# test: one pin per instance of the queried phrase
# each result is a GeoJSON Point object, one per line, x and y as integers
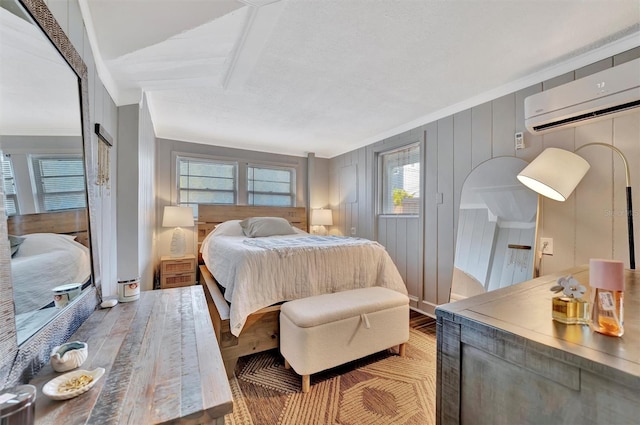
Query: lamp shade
{"type": "Point", "coordinates": [321, 217]}
{"type": "Point", "coordinates": [177, 216]}
{"type": "Point", "coordinates": [555, 173]}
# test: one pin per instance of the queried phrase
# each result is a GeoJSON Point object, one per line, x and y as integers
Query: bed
{"type": "Point", "coordinates": [282, 268]}
{"type": "Point", "coordinates": [47, 253]}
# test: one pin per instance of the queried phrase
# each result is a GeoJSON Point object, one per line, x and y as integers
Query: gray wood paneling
{"type": "Point", "coordinates": [455, 145]}
{"type": "Point", "coordinates": [446, 248]}
{"type": "Point", "coordinates": [462, 155]}
{"type": "Point", "coordinates": [481, 134]}
{"type": "Point", "coordinates": [503, 124]}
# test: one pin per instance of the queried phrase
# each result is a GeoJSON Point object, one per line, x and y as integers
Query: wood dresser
{"type": "Point", "coordinates": [162, 362]}
{"type": "Point", "coordinates": [503, 360]}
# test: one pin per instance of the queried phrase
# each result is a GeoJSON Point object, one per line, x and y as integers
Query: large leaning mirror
{"type": "Point", "coordinates": [42, 155]}
{"type": "Point", "coordinates": [495, 244]}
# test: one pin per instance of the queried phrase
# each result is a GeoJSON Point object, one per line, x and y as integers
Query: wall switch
{"type": "Point", "coordinates": [546, 246]}
{"type": "Point", "coordinates": [519, 139]}
{"type": "Point", "coordinates": [353, 231]}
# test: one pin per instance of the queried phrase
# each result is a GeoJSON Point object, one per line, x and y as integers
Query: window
{"type": "Point", "coordinates": [203, 181]}
{"type": "Point", "coordinates": [270, 186]}
{"type": "Point", "coordinates": [10, 193]}
{"type": "Point", "coordinates": [59, 182]}
{"type": "Point", "coordinates": [400, 175]}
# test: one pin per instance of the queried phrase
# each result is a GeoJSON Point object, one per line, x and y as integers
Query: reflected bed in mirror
{"type": "Point", "coordinates": [495, 245]}
{"type": "Point", "coordinates": [43, 168]}
{"type": "Point", "coordinates": [50, 265]}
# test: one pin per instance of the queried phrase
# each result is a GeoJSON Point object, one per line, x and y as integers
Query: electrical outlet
{"type": "Point", "coordinates": [353, 231]}
{"type": "Point", "coordinates": [546, 246]}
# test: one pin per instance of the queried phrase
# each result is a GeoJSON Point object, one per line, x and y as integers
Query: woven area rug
{"type": "Point", "coordinates": [380, 389]}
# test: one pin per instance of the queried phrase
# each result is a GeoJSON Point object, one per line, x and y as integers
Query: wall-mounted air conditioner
{"type": "Point", "coordinates": [598, 96]}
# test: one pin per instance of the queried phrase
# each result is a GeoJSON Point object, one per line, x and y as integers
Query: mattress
{"type": "Point", "coordinates": [259, 272]}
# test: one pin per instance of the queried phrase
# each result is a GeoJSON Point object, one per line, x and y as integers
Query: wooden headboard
{"type": "Point", "coordinates": [209, 216]}
{"type": "Point", "coordinates": [71, 222]}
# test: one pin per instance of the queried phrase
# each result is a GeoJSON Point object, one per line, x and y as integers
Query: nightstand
{"type": "Point", "coordinates": [177, 272]}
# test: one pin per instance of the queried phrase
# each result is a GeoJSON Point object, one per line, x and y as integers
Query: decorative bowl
{"type": "Point", "coordinates": [69, 356]}
{"type": "Point", "coordinates": [72, 384]}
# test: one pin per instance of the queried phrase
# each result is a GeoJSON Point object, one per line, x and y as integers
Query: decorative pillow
{"type": "Point", "coordinates": [15, 242]}
{"type": "Point", "coordinates": [256, 227]}
{"type": "Point", "coordinates": [228, 228]}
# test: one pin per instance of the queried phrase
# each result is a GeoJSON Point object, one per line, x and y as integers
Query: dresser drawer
{"type": "Point", "coordinates": [179, 266]}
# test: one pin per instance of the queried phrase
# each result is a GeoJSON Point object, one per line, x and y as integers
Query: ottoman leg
{"type": "Point", "coordinates": [286, 364]}
{"type": "Point", "coordinates": [401, 349]}
{"type": "Point", "coordinates": [306, 383]}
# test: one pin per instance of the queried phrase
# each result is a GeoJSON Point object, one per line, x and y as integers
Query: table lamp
{"type": "Point", "coordinates": [177, 217]}
{"type": "Point", "coordinates": [322, 217]}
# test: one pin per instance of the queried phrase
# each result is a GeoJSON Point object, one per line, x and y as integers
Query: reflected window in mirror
{"type": "Point", "coordinates": [497, 221]}
{"type": "Point", "coordinates": [44, 173]}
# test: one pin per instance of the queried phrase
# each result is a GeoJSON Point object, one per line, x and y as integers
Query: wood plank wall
{"type": "Point", "coordinates": [588, 225]}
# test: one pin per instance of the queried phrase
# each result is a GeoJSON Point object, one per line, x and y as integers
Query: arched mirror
{"type": "Point", "coordinates": [45, 199]}
{"type": "Point", "coordinates": [495, 244]}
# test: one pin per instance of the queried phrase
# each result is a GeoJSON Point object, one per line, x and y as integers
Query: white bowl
{"type": "Point", "coordinates": [68, 356]}
{"type": "Point", "coordinates": [52, 388]}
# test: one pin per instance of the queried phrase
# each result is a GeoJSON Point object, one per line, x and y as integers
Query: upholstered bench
{"type": "Point", "coordinates": [324, 331]}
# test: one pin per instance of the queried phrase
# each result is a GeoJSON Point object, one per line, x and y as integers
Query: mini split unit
{"type": "Point", "coordinates": [605, 94]}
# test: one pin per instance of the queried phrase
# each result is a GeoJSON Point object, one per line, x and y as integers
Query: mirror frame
{"type": "Point", "coordinates": [534, 261]}
{"type": "Point", "coordinates": [20, 363]}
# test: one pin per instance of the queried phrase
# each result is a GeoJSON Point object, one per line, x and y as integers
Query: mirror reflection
{"type": "Point", "coordinates": [41, 154]}
{"type": "Point", "coordinates": [496, 229]}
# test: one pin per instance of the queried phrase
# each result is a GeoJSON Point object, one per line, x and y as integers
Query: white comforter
{"type": "Point", "coordinates": [255, 277]}
{"type": "Point", "coordinates": [44, 261]}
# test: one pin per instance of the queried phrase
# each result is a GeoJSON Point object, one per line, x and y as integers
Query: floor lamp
{"type": "Point", "coordinates": [555, 173]}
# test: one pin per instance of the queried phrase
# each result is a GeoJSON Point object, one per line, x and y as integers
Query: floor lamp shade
{"type": "Point", "coordinates": [177, 217]}
{"type": "Point", "coordinates": [555, 173]}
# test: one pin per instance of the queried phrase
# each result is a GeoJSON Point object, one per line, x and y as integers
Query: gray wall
{"type": "Point", "coordinates": [590, 224]}
{"type": "Point", "coordinates": [136, 195]}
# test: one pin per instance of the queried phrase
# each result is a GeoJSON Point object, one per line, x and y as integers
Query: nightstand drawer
{"type": "Point", "coordinates": [178, 266]}
{"type": "Point", "coordinates": [177, 280]}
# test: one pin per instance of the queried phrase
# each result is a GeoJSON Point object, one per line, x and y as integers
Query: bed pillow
{"type": "Point", "coordinates": [15, 242]}
{"type": "Point", "coordinates": [228, 228]}
{"type": "Point", "coordinates": [256, 227]}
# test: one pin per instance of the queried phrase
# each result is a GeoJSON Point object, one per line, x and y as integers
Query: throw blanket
{"type": "Point", "coordinates": [289, 246]}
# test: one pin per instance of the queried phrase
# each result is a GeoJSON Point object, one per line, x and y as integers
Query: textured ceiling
{"type": "Point", "coordinates": [323, 76]}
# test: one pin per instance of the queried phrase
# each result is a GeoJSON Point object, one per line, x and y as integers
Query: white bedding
{"type": "Point", "coordinates": [44, 261]}
{"type": "Point", "coordinates": [255, 277]}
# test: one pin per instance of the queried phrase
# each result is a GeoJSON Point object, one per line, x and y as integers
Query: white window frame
{"type": "Point", "coordinates": [381, 180]}
{"type": "Point", "coordinates": [292, 183]}
{"type": "Point", "coordinates": [205, 159]}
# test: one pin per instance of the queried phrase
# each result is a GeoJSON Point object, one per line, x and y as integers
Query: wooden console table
{"type": "Point", "coordinates": [162, 362]}
{"type": "Point", "coordinates": [503, 360]}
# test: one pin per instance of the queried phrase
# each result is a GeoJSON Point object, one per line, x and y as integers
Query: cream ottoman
{"type": "Point", "coordinates": [325, 331]}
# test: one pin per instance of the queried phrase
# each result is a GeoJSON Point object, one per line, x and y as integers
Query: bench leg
{"type": "Point", "coordinates": [230, 366]}
{"type": "Point", "coordinates": [306, 383]}
{"type": "Point", "coordinates": [286, 364]}
{"type": "Point", "coordinates": [402, 349]}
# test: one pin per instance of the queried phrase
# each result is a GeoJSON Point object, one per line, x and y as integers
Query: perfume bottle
{"type": "Point", "coordinates": [569, 308]}
{"type": "Point", "coordinates": [606, 278]}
